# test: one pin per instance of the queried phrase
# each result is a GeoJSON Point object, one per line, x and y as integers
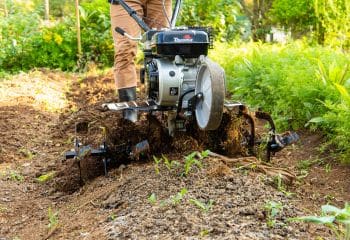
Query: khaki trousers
{"type": "Point", "coordinates": [125, 49]}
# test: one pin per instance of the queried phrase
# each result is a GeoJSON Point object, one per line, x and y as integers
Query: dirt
{"type": "Point", "coordinates": [38, 113]}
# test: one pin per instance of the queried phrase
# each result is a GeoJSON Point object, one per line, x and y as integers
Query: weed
{"type": "Point", "coordinates": [204, 233]}
{"type": "Point", "coordinates": [113, 216]}
{"type": "Point", "coordinates": [152, 199]}
{"type": "Point", "coordinates": [338, 220]}
{"type": "Point", "coordinates": [280, 185]}
{"type": "Point", "coordinates": [157, 161]}
{"type": "Point", "coordinates": [3, 208]}
{"type": "Point", "coordinates": [15, 176]}
{"type": "Point", "coordinates": [26, 153]}
{"type": "Point", "coordinates": [328, 168]}
{"type": "Point", "coordinates": [176, 199]}
{"type": "Point", "coordinates": [46, 177]}
{"type": "Point", "coordinates": [53, 219]}
{"type": "Point", "coordinates": [304, 165]}
{"type": "Point", "coordinates": [205, 207]}
{"type": "Point", "coordinates": [272, 208]}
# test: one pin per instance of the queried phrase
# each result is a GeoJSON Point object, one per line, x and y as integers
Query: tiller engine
{"type": "Point", "coordinates": [184, 84]}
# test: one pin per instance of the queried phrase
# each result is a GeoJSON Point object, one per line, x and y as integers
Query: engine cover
{"type": "Point", "coordinates": [167, 80]}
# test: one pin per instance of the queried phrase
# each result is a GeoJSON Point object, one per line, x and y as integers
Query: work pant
{"type": "Point", "coordinates": [125, 49]}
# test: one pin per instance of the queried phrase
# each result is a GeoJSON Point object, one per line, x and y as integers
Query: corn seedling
{"type": "Point", "coordinates": [169, 164]}
{"type": "Point", "coordinates": [204, 154]}
{"type": "Point", "coordinates": [205, 207]}
{"type": "Point", "coordinates": [176, 199]}
{"type": "Point", "coordinates": [53, 219]}
{"type": "Point", "coordinates": [191, 160]}
{"type": "Point", "coordinates": [152, 199]}
{"type": "Point", "coordinates": [338, 220]}
{"type": "Point", "coordinates": [272, 209]}
{"type": "Point", "coordinates": [157, 161]}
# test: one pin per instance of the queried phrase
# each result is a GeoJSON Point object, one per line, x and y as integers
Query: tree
{"type": "Point", "coordinates": [257, 12]}
{"type": "Point", "coordinates": [218, 14]}
{"type": "Point", "coordinates": [47, 10]}
{"type": "Point", "coordinates": [295, 15]}
{"type": "Point", "coordinates": [333, 18]}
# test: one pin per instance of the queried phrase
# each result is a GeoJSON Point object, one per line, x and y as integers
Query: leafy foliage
{"type": "Point", "coordinates": [220, 15]}
{"type": "Point", "coordinates": [333, 22]}
{"type": "Point", "coordinates": [331, 216]}
{"type": "Point", "coordinates": [299, 15]}
{"type": "Point", "coordinates": [295, 82]}
{"type": "Point", "coordinates": [26, 41]}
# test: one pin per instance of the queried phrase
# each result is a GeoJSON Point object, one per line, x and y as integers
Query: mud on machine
{"type": "Point", "coordinates": [185, 85]}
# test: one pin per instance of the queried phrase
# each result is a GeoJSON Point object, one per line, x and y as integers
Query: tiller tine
{"type": "Point", "coordinates": [108, 155]}
{"type": "Point", "coordinates": [276, 141]}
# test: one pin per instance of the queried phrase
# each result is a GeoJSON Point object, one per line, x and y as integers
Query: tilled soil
{"type": "Point", "coordinates": [38, 113]}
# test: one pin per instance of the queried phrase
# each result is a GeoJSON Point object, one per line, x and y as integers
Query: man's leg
{"type": "Point", "coordinates": [125, 50]}
{"type": "Point", "coordinates": [155, 16]}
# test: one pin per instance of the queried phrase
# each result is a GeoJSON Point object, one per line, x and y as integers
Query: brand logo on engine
{"type": "Point", "coordinates": [186, 38]}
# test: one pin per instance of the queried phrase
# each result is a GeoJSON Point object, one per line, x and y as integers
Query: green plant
{"type": "Point", "coordinates": [205, 207]}
{"type": "Point", "coordinates": [191, 160]}
{"type": "Point", "coordinates": [26, 153]}
{"type": "Point", "coordinates": [338, 220]}
{"type": "Point", "coordinates": [53, 219]}
{"type": "Point", "coordinates": [169, 164]}
{"type": "Point", "coordinates": [113, 216]}
{"type": "Point", "coordinates": [176, 199]}
{"type": "Point", "coordinates": [157, 161]}
{"type": "Point", "coordinates": [204, 233]}
{"type": "Point", "coordinates": [46, 177]}
{"type": "Point", "coordinates": [281, 186]}
{"type": "Point", "coordinates": [3, 208]}
{"type": "Point", "coordinates": [15, 176]}
{"type": "Point", "coordinates": [152, 199]}
{"type": "Point", "coordinates": [328, 168]}
{"type": "Point", "coordinates": [272, 208]}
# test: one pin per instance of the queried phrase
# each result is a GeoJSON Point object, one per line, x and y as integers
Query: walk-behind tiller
{"type": "Point", "coordinates": [183, 84]}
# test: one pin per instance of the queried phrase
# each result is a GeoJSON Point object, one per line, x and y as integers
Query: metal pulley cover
{"type": "Point", "coordinates": [210, 90]}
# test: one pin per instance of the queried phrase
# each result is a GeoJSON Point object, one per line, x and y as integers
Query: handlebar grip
{"type": "Point", "coordinates": [120, 31]}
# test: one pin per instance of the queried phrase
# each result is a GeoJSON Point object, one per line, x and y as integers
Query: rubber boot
{"type": "Point", "coordinates": [127, 95]}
